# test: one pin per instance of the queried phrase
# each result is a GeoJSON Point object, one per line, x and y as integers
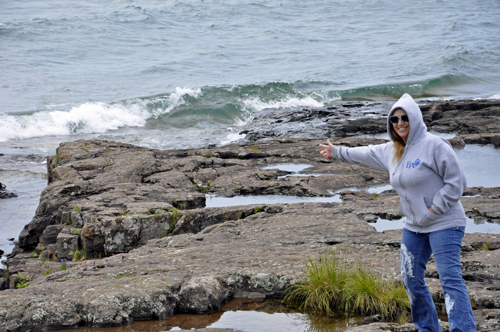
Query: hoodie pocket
{"type": "Point", "coordinates": [426, 217]}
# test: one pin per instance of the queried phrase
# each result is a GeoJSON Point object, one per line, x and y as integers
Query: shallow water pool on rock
{"type": "Point", "coordinates": [289, 167]}
{"type": "Point", "coordinates": [241, 314]}
{"type": "Point", "coordinates": [473, 226]}
{"type": "Point", "coordinates": [293, 169]}
{"type": "Point", "coordinates": [481, 165]}
{"type": "Point", "coordinates": [218, 201]}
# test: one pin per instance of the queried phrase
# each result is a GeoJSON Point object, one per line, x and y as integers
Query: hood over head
{"type": "Point", "coordinates": [418, 129]}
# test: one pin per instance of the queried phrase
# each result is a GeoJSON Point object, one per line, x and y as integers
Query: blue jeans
{"type": "Point", "coordinates": [416, 249]}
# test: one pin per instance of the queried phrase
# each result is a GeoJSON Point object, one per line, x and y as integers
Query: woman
{"type": "Point", "coordinates": [426, 173]}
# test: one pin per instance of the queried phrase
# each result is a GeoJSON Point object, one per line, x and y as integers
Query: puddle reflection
{"type": "Point", "coordinates": [218, 201]}
{"type": "Point", "coordinates": [265, 316]}
{"type": "Point", "coordinates": [295, 169]}
{"type": "Point", "coordinates": [241, 314]}
{"type": "Point", "coordinates": [288, 167]}
{"type": "Point", "coordinates": [370, 190]}
{"type": "Point", "coordinates": [472, 226]}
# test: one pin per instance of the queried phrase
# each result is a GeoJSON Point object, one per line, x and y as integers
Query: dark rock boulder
{"type": "Point", "coordinates": [49, 235]}
{"type": "Point", "coordinates": [4, 193]}
{"type": "Point", "coordinates": [65, 245]}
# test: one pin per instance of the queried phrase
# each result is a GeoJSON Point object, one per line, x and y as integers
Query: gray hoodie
{"type": "Point", "coordinates": [428, 175]}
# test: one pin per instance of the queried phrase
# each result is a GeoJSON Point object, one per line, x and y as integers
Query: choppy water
{"type": "Point", "coordinates": [169, 74]}
{"type": "Point", "coordinates": [169, 68]}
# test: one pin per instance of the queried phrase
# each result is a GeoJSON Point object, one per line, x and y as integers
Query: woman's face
{"type": "Point", "coordinates": [401, 128]}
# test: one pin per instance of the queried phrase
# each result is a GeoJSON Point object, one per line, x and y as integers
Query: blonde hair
{"type": "Point", "coordinates": [399, 145]}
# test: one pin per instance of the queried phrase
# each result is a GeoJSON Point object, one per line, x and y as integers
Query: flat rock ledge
{"type": "Point", "coordinates": [154, 249]}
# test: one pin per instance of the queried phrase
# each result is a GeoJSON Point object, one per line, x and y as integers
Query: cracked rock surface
{"type": "Point", "coordinates": [153, 249]}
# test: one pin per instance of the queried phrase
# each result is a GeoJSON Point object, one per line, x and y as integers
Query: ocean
{"type": "Point", "coordinates": [184, 74]}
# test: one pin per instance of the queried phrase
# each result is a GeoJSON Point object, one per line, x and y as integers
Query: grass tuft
{"type": "Point", "coordinates": [333, 287]}
{"type": "Point", "coordinates": [486, 246]}
{"type": "Point", "coordinates": [78, 255]}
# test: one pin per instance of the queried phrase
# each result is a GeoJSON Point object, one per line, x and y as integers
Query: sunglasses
{"type": "Point", "coordinates": [395, 119]}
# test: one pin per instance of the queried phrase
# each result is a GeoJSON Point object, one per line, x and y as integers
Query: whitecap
{"type": "Point", "coordinates": [255, 104]}
{"type": "Point", "coordinates": [176, 98]}
{"type": "Point", "coordinates": [84, 119]}
{"type": "Point", "coordinates": [88, 118]}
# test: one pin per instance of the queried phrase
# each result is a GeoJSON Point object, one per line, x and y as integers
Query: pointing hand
{"type": "Point", "coordinates": [327, 152]}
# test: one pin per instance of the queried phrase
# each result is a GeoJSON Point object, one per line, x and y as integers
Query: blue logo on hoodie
{"type": "Point", "coordinates": [411, 165]}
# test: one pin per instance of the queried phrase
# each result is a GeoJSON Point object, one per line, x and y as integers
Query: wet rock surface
{"type": "Point", "coordinates": [4, 193]}
{"type": "Point", "coordinates": [474, 121]}
{"type": "Point", "coordinates": [152, 248]}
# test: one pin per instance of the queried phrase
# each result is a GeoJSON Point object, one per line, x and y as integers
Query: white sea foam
{"type": "Point", "coordinates": [84, 119]}
{"type": "Point", "coordinates": [231, 138]}
{"type": "Point", "coordinates": [87, 118]}
{"type": "Point", "coordinates": [176, 99]}
{"type": "Point", "coordinates": [492, 97]}
{"type": "Point", "coordinates": [255, 104]}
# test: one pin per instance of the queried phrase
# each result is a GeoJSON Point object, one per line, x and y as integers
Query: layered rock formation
{"type": "Point", "coordinates": [152, 248]}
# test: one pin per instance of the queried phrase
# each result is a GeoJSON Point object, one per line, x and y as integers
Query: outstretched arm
{"type": "Point", "coordinates": [376, 156]}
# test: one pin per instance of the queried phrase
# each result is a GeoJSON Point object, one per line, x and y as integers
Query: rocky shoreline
{"type": "Point", "coordinates": [153, 249]}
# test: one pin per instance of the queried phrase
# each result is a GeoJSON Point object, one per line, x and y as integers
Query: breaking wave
{"type": "Point", "coordinates": [212, 107]}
